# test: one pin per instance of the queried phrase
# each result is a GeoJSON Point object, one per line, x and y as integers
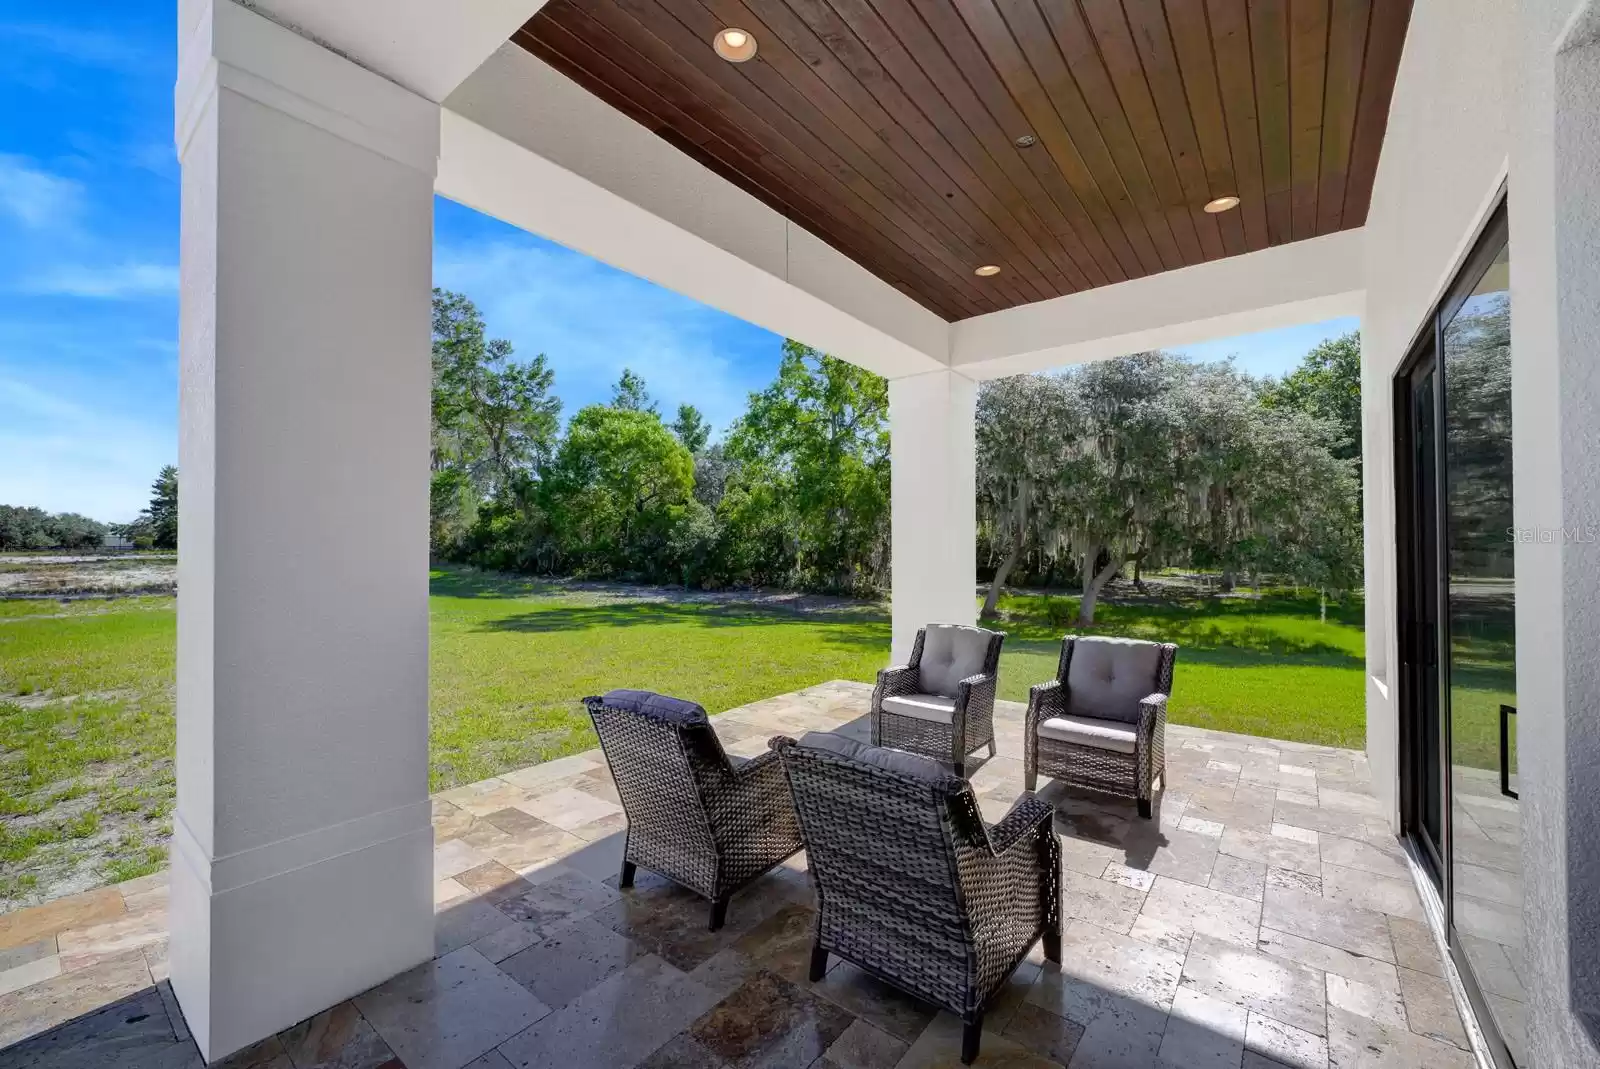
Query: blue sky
{"type": "Point", "coordinates": [88, 276]}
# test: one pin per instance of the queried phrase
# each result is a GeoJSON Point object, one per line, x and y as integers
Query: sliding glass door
{"type": "Point", "coordinates": [1485, 824]}
{"type": "Point", "coordinates": [1458, 606]}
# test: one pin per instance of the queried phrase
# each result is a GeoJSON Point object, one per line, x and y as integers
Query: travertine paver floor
{"type": "Point", "coordinates": [1264, 917]}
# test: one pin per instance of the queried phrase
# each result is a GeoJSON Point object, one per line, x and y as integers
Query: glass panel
{"type": "Point", "coordinates": [1486, 885]}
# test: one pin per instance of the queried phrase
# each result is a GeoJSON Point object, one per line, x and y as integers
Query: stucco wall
{"type": "Point", "coordinates": [1491, 91]}
{"type": "Point", "coordinates": [1444, 157]}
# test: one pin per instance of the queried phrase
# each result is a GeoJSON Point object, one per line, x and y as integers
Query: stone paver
{"type": "Point", "coordinates": [1264, 918]}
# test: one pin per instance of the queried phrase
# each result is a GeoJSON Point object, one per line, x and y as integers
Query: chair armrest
{"type": "Point", "coordinates": [753, 766]}
{"type": "Point", "coordinates": [1152, 719]}
{"type": "Point", "coordinates": [1017, 826]}
{"type": "Point", "coordinates": [1044, 701]}
{"type": "Point", "coordinates": [755, 788]}
{"type": "Point", "coordinates": [901, 679]}
{"type": "Point", "coordinates": [975, 682]}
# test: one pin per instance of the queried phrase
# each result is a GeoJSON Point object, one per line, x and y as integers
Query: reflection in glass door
{"type": "Point", "coordinates": [1485, 828]}
{"type": "Point", "coordinates": [1457, 600]}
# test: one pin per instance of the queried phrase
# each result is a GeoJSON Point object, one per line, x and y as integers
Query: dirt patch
{"type": "Point", "coordinates": [65, 576]}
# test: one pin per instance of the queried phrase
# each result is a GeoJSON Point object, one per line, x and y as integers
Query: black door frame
{"type": "Point", "coordinates": [1491, 235]}
{"type": "Point", "coordinates": [1412, 639]}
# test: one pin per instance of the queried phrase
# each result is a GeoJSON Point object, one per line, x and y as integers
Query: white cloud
{"type": "Point", "coordinates": [591, 321]}
{"type": "Point", "coordinates": [86, 48]}
{"type": "Point", "coordinates": [114, 282]}
{"type": "Point", "coordinates": [36, 198]}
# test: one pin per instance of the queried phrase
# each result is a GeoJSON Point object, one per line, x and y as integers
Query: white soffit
{"type": "Point", "coordinates": [524, 143]}
{"type": "Point", "coordinates": [427, 46]}
{"type": "Point", "coordinates": [1283, 286]}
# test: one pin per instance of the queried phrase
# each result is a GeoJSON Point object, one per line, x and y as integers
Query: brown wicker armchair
{"type": "Point", "coordinates": [912, 885]}
{"type": "Point", "coordinates": [693, 815]}
{"type": "Point", "coordinates": [1102, 722]}
{"type": "Point", "coordinates": [941, 703]}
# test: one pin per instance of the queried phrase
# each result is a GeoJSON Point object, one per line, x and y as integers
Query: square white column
{"type": "Point", "coordinates": [933, 503]}
{"type": "Point", "coordinates": [302, 847]}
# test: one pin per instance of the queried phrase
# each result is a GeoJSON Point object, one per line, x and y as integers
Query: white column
{"type": "Point", "coordinates": [933, 503]}
{"type": "Point", "coordinates": [301, 860]}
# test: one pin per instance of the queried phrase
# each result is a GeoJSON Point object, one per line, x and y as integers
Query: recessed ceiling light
{"type": "Point", "coordinates": [734, 45]}
{"type": "Point", "coordinates": [988, 269]}
{"type": "Point", "coordinates": [1222, 204]}
{"type": "Point", "coordinates": [1026, 141]}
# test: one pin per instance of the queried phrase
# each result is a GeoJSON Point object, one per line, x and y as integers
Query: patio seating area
{"type": "Point", "coordinates": [1264, 916]}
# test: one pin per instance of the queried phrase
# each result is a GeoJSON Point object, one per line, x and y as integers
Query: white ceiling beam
{"type": "Point", "coordinates": [1287, 285]}
{"type": "Point", "coordinates": [427, 46]}
{"type": "Point", "coordinates": [522, 142]}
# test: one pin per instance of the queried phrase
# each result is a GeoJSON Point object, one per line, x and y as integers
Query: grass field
{"type": "Point", "coordinates": [86, 732]}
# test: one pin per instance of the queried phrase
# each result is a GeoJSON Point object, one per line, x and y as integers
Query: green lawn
{"type": "Point", "coordinates": [1264, 666]}
{"type": "Point", "coordinates": [87, 785]}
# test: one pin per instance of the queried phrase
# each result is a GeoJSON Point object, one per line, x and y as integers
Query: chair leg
{"type": "Point", "coordinates": [961, 770]}
{"type": "Point", "coordinates": [625, 877]}
{"type": "Point", "coordinates": [1052, 942]}
{"type": "Point", "coordinates": [719, 913]}
{"type": "Point", "coordinates": [1144, 808]}
{"type": "Point", "coordinates": [992, 750]}
{"type": "Point", "coordinates": [971, 1033]}
{"type": "Point", "coordinates": [819, 963]}
{"type": "Point", "coordinates": [1031, 782]}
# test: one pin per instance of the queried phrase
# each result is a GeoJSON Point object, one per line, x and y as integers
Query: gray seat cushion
{"type": "Point", "coordinates": [934, 707]}
{"type": "Point", "coordinates": [675, 711]}
{"type": "Point", "coordinates": [951, 653]}
{"type": "Point", "coordinates": [1108, 677]}
{"type": "Point", "coordinates": [1087, 731]}
{"type": "Point", "coordinates": [907, 764]}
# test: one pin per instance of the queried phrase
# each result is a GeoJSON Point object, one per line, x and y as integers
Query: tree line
{"type": "Point", "coordinates": [24, 527]}
{"type": "Point", "coordinates": [1111, 467]}
{"type": "Point", "coordinates": [795, 495]}
{"type": "Point", "coordinates": [1115, 467]}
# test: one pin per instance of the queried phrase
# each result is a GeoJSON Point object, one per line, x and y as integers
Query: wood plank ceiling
{"type": "Point", "coordinates": [890, 128]}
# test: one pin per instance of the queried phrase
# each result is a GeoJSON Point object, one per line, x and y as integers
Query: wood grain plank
{"type": "Point", "coordinates": [1031, 32]}
{"type": "Point", "coordinates": [1308, 67]}
{"type": "Point", "coordinates": [925, 73]}
{"type": "Point", "coordinates": [1269, 44]}
{"type": "Point", "coordinates": [943, 149]}
{"type": "Point", "coordinates": [1230, 38]}
{"type": "Point", "coordinates": [712, 104]}
{"type": "Point", "coordinates": [832, 222]}
{"type": "Point", "coordinates": [1347, 50]}
{"type": "Point", "coordinates": [792, 83]}
{"type": "Point", "coordinates": [1191, 39]}
{"type": "Point", "coordinates": [1386, 34]}
{"type": "Point", "coordinates": [652, 31]}
{"type": "Point", "coordinates": [1147, 27]}
{"type": "Point", "coordinates": [1114, 39]}
{"type": "Point", "coordinates": [1110, 208]}
{"type": "Point", "coordinates": [958, 41]}
{"type": "Point", "coordinates": [1145, 163]}
{"type": "Point", "coordinates": [763, 176]}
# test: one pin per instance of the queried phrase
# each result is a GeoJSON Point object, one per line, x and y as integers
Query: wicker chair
{"type": "Point", "coordinates": [1102, 722]}
{"type": "Point", "coordinates": [941, 704]}
{"type": "Point", "coordinates": [912, 885]}
{"type": "Point", "coordinates": [693, 815]}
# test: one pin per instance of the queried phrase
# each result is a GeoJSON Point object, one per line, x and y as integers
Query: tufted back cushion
{"type": "Point", "coordinates": [675, 711]}
{"type": "Point", "coordinates": [951, 653]}
{"type": "Point", "coordinates": [1108, 677]}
